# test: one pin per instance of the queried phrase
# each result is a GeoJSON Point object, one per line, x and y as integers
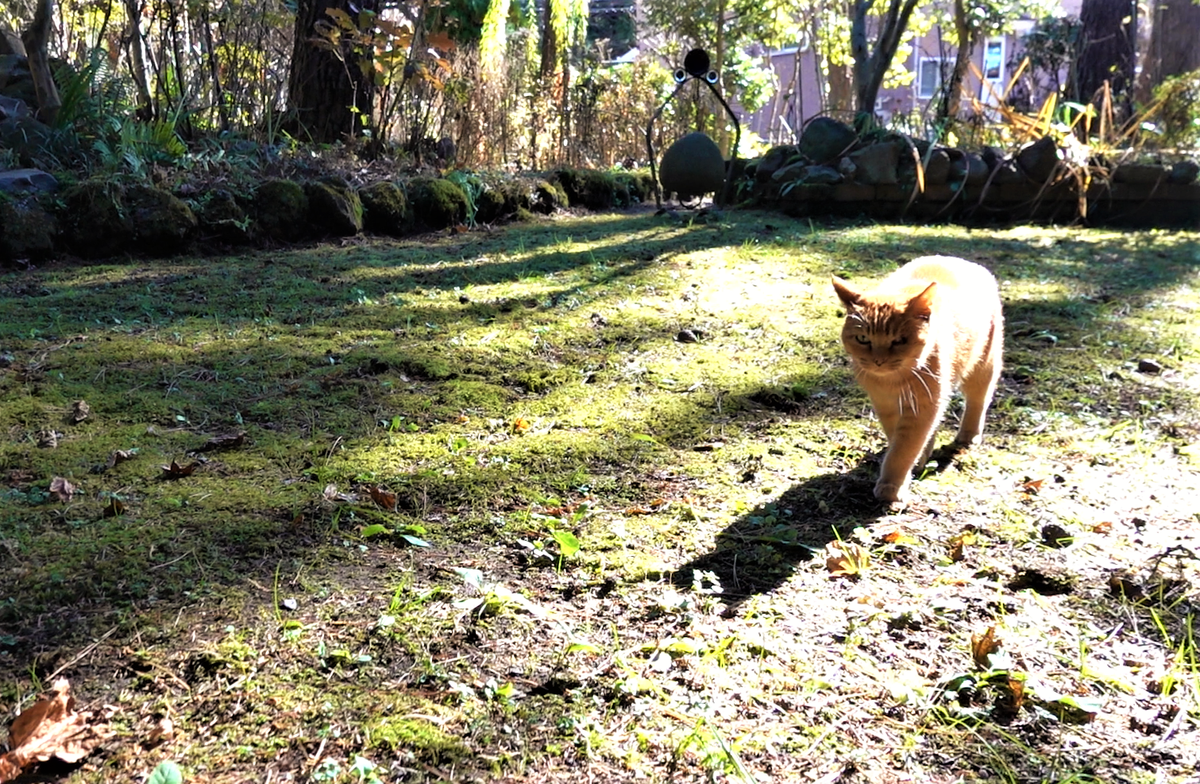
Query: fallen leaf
{"type": "Point", "coordinates": [1032, 486]}
{"type": "Point", "coordinates": [983, 646]}
{"type": "Point", "coordinates": [120, 456]}
{"type": "Point", "coordinates": [1102, 528]}
{"type": "Point", "coordinates": [383, 497]}
{"type": "Point", "coordinates": [51, 728]}
{"type": "Point", "coordinates": [846, 559]}
{"type": "Point", "coordinates": [520, 425]}
{"type": "Point", "coordinates": [80, 411]}
{"type": "Point", "coordinates": [176, 471]}
{"type": "Point", "coordinates": [115, 507]}
{"type": "Point", "coordinates": [62, 490]}
{"type": "Point", "coordinates": [164, 730]}
{"type": "Point", "coordinates": [958, 544]}
{"type": "Point", "coordinates": [48, 439]}
{"type": "Point", "coordinates": [229, 441]}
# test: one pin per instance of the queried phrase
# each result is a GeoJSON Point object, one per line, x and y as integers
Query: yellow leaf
{"type": "Point", "coordinates": [846, 559]}
{"type": "Point", "coordinates": [342, 18]}
{"type": "Point", "coordinates": [983, 646]}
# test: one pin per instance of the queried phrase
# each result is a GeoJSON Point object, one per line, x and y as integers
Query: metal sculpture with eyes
{"type": "Point", "coordinates": [696, 65]}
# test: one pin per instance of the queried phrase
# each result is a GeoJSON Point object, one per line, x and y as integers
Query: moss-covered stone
{"type": "Point", "coordinates": [281, 207]}
{"type": "Point", "coordinates": [385, 208]}
{"type": "Point", "coordinates": [334, 208]}
{"type": "Point", "coordinates": [548, 196]}
{"type": "Point", "coordinates": [437, 203]}
{"type": "Point", "coordinates": [95, 220]}
{"type": "Point", "coordinates": [222, 216]}
{"type": "Point", "coordinates": [595, 190]}
{"type": "Point", "coordinates": [633, 187]}
{"type": "Point", "coordinates": [490, 206]}
{"type": "Point", "coordinates": [26, 230]}
{"type": "Point", "coordinates": [162, 223]}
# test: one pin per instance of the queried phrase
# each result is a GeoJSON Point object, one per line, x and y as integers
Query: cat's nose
{"type": "Point", "coordinates": [878, 361]}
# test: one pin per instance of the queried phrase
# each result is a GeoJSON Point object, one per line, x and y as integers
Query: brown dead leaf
{"type": "Point", "coordinates": [115, 507]}
{"type": "Point", "coordinates": [51, 728]}
{"type": "Point", "coordinates": [177, 471]}
{"type": "Point", "coordinates": [80, 411]}
{"type": "Point", "coordinates": [228, 441]}
{"type": "Point", "coordinates": [48, 439]}
{"type": "Point", "coordinates": [163, 731]}
{"type": "Point", "coordinates": [983, 646]}
{"type": "Point", "coordinates": [382, 497]}
{"type": "Point", "coordinates": [846, 559]}
{"type": "Point", "coordinates": [638, 510]}
{"type": "Point", "coordinates": [1032, 486]}
{"type": "Point", "coordinates": [959, 543]}
{"type": "Point", "coordinates": [62, 490]}
{"type": "Point", "coordinates": [1102, 528]}
{"type": "Point", "coordinates": [120, 456]}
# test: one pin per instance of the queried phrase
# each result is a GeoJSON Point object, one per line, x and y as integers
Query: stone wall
{"type": "Point", "coordinates": [832, 171]}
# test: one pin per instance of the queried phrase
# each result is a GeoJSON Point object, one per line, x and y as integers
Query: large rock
{"type": "Point", "coordinates": [775, 159]}
{"type": "Point", "coordinates": [692, 166]}
{"type": "Point", "coordinates": [1184, 172]}
{"type": "Point", "coordinates": [876, 164]}
{"type": "Point", "coordinates": [437, 203]}
{"type": "Point", "coordinates": [26, 231]}
{"type": "Point", "coordinates": [19, 181]}
{"type": "Point", "coordinates": [281, 208]}
{"type": "Point", "coordinates": [1039, 159]}
{"type": "Point", "coordinates": [825, 139]}
{"type": "Point", "coordinates": [162, 223]}
{"type": "Point", "coordinates": [595, 190]}
{"type": "Point", "coordinates": [334, 208]}
{"type": "Point", "coordinates": [95, 220]}
{"type": "Point", "coordinates": [221, 216]}
{"type": "Point", "coordinates": [385, 208]}
{"type": "Point", "coordinates": [937, 168]}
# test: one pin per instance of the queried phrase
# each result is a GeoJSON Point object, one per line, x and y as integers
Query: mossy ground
{"type": "Point", "coordinates": [673, 396]}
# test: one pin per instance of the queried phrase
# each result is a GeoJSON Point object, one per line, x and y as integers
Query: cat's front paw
{"type": "Point", "coordinates": [892, 493]}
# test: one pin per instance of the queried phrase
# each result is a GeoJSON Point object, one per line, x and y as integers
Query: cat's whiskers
{"type": "Point", "coordinates": [916, 371]}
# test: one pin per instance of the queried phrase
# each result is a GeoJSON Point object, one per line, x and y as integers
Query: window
{"type": "Point", "coordinates": [993, 69]}
{"type": "Point", "coordinates": [929, 78]}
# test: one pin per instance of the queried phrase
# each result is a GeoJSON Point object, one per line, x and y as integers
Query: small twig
{"type": "Point", "coordinates": [85, 652]}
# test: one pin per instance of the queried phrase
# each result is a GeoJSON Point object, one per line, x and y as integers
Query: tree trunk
{"type": "Point", "coordinates": [870, 65]}
{"type": "Point", "coordinates": [1107, 54]}
{"type": "Point", "coordinates": [968, 36]}
{"type": "Point", "coordinates": [137, 60]}
{"type": "Point", "coordinates": [321, 88]}
{"type": "Point", "coordinates": [36, 39]}
{"type": "Point", "coordinates": [1174, 31]}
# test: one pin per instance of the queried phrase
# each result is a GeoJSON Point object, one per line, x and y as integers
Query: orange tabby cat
{"type": "Point", "coordinates": [929, 328]}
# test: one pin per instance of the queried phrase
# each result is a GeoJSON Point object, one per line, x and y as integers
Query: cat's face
{"type": "Point", "coordinates": [885, 334]}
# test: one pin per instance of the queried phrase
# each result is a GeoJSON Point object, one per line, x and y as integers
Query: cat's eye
{"type": "Point", "coordinates": [863, 340]}
{"type": "Point", "coordinates": [899, 342]}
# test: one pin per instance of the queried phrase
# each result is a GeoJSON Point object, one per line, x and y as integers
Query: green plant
{"type": "Point", "coordinates": [1175, 112]}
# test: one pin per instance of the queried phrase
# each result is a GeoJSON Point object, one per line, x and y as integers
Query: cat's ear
{"type": "Point", "coordinates": [921, 305]}
{"type": "Point", "coordinates": [848, 296]}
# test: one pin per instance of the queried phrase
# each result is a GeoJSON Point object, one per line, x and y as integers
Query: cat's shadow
{"type": "Point", "coordinates": [761, 549]}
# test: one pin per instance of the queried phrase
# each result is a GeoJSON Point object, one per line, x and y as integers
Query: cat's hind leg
{"type": "Point", "coordinates": [978, 388]}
